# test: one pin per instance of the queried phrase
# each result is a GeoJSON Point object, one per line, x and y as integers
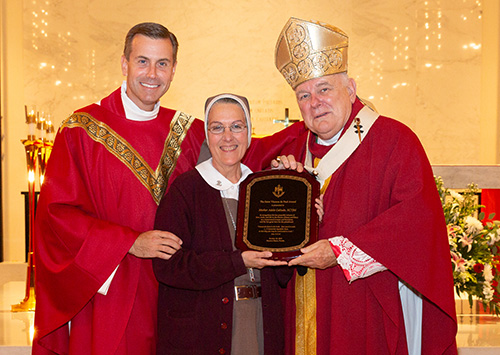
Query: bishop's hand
{"type": "Point", "coordinates": [287, 162]}
{"type": "Point", "coordinates": [319, 255]}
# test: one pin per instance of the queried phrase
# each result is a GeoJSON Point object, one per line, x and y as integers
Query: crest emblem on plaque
{"type": "Point", "coordinates": [278, 191]}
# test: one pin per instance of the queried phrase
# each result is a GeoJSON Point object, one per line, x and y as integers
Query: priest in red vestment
{"type": "Point", "coordinates": [379, 280]}
{"type": "Point", "coordinates": [110, 166]}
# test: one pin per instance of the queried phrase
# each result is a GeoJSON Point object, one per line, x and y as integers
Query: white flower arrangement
{"type": "Point", "coordinates": [474, 246]}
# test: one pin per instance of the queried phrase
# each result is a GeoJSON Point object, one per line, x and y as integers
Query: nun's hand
{"type": "Point", "coordinates": [260, 259]}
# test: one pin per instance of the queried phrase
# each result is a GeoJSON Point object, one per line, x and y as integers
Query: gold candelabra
{"type": "Point", "coordinates": [38, 147]}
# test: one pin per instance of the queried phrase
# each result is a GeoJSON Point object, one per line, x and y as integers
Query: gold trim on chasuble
{"type": "Point", "coordinates": [305, 317]}
{"type": "Point", "coordinates": [305, 304]}
{"type": "Point", "coordinates": [155, 181]}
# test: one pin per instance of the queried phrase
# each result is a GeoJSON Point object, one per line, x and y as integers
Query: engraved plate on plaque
{"type": "Point", "coordinates": [276, 212]}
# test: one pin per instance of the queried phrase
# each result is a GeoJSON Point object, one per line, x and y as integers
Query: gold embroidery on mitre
{"type": "Point", "coordinates": [155, 181]}
{"type": "Point", "coordinates": [307, 50]}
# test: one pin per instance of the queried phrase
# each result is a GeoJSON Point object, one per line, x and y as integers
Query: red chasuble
{"type": "Point", "coordinates": [100, 192]}
{"type": "Point", "coordinates": [384, 200]}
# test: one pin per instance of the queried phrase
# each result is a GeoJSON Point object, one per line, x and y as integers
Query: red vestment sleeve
{"type": "Point", "coordinates": [72, 233]}
{"type": "Point", "coordinates": [413, 225]}
{"type": "Point", "coordinates": [67, 217]}
{"type": "Point", "coordinates": [263, 150]}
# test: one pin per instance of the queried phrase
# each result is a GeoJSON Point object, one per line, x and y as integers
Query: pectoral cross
{"type": "Point", "coordinates": [287, 120]}
{"type": "Point", "coordinates": [358, 128]}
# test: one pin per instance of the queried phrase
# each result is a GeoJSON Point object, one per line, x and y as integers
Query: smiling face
{"type": "Point", "coordinates": [326, 103]}
{"type": "Point", "coordinates": [227, 148]}
{"type": "Point", "coordinates": [150, 70]}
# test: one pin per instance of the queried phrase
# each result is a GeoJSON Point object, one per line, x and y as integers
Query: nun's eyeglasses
{"type": "Point", "coordinates": [234, 127]}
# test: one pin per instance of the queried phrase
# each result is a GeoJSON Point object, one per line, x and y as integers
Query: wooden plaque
{"type": "Point", "coordinates": [276, 212]}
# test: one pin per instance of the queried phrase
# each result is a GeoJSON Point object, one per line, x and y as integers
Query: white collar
{"type": "Point", "coordinates": [133, 112]}
{"type": "Point", "coordinates": [216, 180]}
{"type": "Point", "coordinates": [330, 141]}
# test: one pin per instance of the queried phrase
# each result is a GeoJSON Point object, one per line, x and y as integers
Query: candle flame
{"type": "Point", "coordinates": [31, 176]}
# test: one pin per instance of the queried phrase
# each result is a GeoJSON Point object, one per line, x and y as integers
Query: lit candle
{"type": "Point", "coordinates": [41, 128]}
{"type": "Point", "coordinates": [31, 175]}
{"type": "Point", "coordinates": [31, 121]}
{"type": "Point", "coordinates": [50, 131]}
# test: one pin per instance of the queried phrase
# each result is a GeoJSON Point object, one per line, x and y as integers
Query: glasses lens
{"type": "Point", "coordinates": [237, 128]}
{"type": "Point", "coordinates": [216, 129]}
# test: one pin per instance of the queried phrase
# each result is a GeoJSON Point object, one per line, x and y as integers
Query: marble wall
{"type": "Point", "coordinates": [417, 61]}
{"type": "Point", "coordinates": [420, 62]}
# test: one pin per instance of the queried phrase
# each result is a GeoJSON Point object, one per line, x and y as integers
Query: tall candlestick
{"type": "Point", "coordinates": [28, 303]}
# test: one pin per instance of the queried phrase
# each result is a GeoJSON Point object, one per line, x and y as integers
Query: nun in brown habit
{"type": "Point", "coordinates": [214, 298]}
